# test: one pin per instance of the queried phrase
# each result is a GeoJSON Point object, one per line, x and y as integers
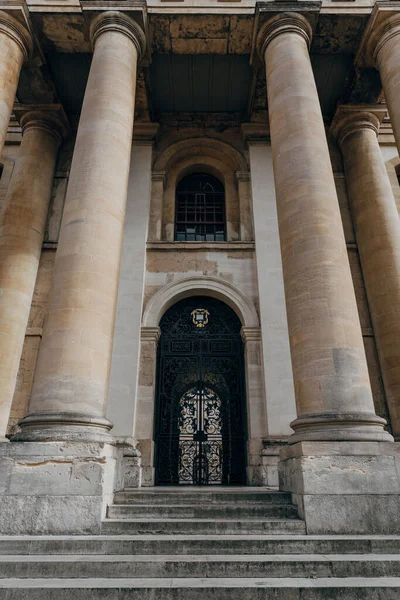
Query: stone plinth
{"type": "Point", "coordinates": [56, 487]}
{"type": "Point", "coordinates": [344, 487]}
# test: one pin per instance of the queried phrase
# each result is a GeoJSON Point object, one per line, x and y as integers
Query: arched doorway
{"type": "Point", "coordinates": [200, 429]}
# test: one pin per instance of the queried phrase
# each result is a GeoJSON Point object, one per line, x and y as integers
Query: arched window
{"type": "Point", "coordinates": [200, 209]}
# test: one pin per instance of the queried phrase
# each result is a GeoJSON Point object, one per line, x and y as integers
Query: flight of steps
{"type": "Point", "coordinates": [200, 544]}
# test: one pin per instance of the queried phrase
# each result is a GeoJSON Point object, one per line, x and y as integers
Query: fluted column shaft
{"type": "Point", "coordinates": [333, 393]}
{"type": "Point", "coordinates": [15, 48]}
{"type": "Point", "coordinates": [377, 227]}
{"type": "Point", "coordinates": [71, 381]}
{"type": "Point", "coordinates": [22, 225]}
{"type": "Point", "coordinates": [384, 46]}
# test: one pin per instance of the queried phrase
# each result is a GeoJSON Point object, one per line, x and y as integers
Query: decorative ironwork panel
{"type": "Point", "coordinates": [200, 420]}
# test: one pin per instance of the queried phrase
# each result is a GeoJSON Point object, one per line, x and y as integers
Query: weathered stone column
{"type": "Point", "coordinates": [333, 393]}
{"type": "Point", "coordinates": [377, 227]}
{"type": "Point", "coordinates": [70, 388]}
{"type": "Point", "coordinates": [22, 225]}
{"type": "Point", "coordinates": [15, 48]}
{"type": "Point", "coordinates": [383, 47]}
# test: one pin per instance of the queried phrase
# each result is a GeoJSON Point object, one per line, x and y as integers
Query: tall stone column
{"type": "Point", "coordinates": [22, 225]}
{"type": "Point", "coordinates": [377, 227]}
{"type": "Point", "coordinates": [333, 394]}
{"type": "Point", "coordinates": [383, 47]}
{"type": "Point", "coordinates": [15, 48]}
{"type": "Point", "coordinates": [70, 388]}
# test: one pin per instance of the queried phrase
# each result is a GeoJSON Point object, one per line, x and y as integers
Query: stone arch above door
{"type": "Point", "coordinates": [206, 286]}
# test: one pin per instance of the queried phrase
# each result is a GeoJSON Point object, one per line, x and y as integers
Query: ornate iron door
{"type": "Point", "coordinates": [200, 419]}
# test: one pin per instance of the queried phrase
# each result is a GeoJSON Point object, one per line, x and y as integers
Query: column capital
{"type": "Point", "coordinates": [351, 118]}
{"type": "Point", "coordinates": [381, 33]}
{"type": "Point", "coordinates": [287, 22]}
{"type": "Point", "coordinates": [50, 117]}
{"type": "Point", "coordinates": [17, 32]}
{"type": "Point", "coordinates": [113, 20]}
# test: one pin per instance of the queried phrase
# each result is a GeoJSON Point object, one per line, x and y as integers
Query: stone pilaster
{"type": "Point", "coordinates": [69, 394]}
{"type": "Point", "coordinates": [22, 225]}
{"type": "Point", "coordinates": [144, 421]}
{"type": "Point", "coordinates": [255, 395]}
{"type": "Point", "coordinates": [156, 205]}
{"type": "Point", "coordinates": [246, 213]}
{"type": "Point", "coordinates": [383, 49]}
{"type": "Point", "coordinates": [15, 49]}
{"type": "Point", "coordinates": [377, 228]}
{"type": "Point", "coordinates": [333, 394]}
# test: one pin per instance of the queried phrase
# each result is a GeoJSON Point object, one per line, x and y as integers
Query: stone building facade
{"type": "Point", "coordinates": [105, 108]}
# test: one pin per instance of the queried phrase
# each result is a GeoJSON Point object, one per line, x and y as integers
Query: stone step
{"type": "Point", "coordinates": [200, 511]}
{"type": "Point", "coordinates": [187, 496]}
{"type": "Point", "coordinates": [198, 544]}
{"type": "Point", "coordinates": [194, 566]}
{"type": "Point", "coordinates": [203, 526]}
{"type": "Point", "coordinates": [349, 588]}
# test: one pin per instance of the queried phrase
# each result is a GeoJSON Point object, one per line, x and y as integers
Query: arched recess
{"type": "Point", "coordinates": [251, 335]}
{"type": "Point", "coordinates": [200, 286]}
{"type": "Point", "coordinates": [199, 155]}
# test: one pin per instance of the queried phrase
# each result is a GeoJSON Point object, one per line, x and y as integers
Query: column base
{"type": "Point", "coordinates": [357, 427]}
{"type": "Point", "coordinates": [344, 487]}
{"type": "Point", "coordinates": [66, 427]}
{"type": "Point", "coordinates": [56, 488]}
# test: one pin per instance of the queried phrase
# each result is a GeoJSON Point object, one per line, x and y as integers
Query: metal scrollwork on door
{"type": "Point", "coordinates": [200, 422]}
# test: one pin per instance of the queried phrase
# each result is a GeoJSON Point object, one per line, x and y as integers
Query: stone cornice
{"type": "Point", "coordinates": [286, 22]}
{"type": "Point", "coordinates": [50, 117]}
{"type": "Point", "coordinates": [17, 32]}
{"type": "Point", "coordinates": [350, 119]}
{"type": "Point", "coordinates": [114, 20]}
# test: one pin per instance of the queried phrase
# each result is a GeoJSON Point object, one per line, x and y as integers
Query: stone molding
{"type": "Point", "coordinates": [347, 427]}
{"type": "Point", "coordinates": [352, 118]}
{"type": "Point", "coordinates": [150, 334]}
{"type": "Point", "coordinates": [255, 133]}
{"type": "Point", "coordinates": [17, 32]}
{"type": "Point", "coordinates": [116, 21]}
{"type": "Point", "coordinates": [206, 286]}
{"type": "Point", "coordinates": [286, 22]}
{"type": "Point", "coordinates": [200, 147]}
{"type": "Point", "coordinates": [145, 133]}
{"type": "Point", "coordinates": [243, 176]}
{"type": "Point", "coordinates": [159, 176]}
{"type": "Point", "coordinates": [250, 334]}
{"type": "Point", "coordinates": [45, 426]}
{"type": "Point", "coordinates": [50, 117]}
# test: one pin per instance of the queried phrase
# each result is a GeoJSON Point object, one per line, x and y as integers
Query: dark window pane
{"type": "Point", "coordinates": [200, 208]}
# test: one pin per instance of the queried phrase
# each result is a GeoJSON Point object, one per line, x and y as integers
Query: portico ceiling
{"type": "Point", "coordinates": [203, 65]}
